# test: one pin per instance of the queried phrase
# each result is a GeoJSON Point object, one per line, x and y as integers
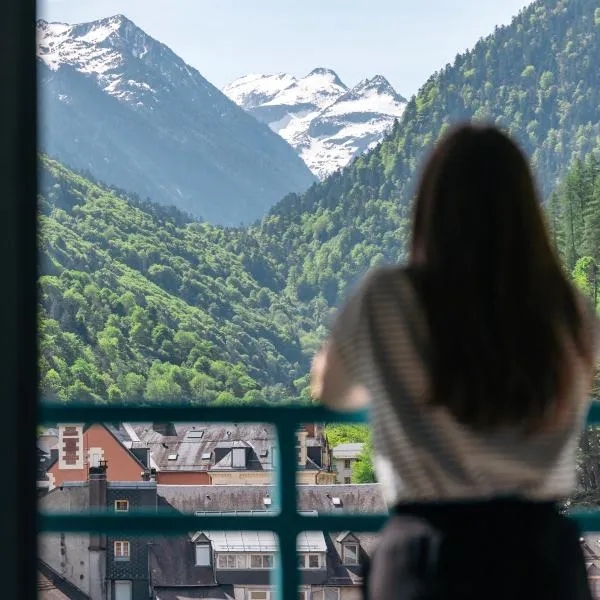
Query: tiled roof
{"type": "Point", "coordinates": [361, 498]}
{"type": "Point", "coordinates": [189, 450]}
{"type": "Point", "coordinates": [188, 443]}
{"type": "Point", "coordinates": [347, 450]}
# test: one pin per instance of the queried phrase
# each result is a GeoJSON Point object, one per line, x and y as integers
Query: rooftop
{"type": "Point", "coordinates": [352, 450]}
{"type": "Point", "coordinates": [353, 498]}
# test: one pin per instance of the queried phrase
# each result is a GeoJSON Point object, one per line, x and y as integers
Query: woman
{"type": "Point", "coordinates": [476, 362]}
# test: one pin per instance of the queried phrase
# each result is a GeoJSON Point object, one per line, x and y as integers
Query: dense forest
{"type": "Point", "coordinates": [141, 302]}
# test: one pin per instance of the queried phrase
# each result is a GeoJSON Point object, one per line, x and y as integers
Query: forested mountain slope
{"type": "Point", "coordinates": [536, 77]}
{"type": "Point", "coordinates": [144, 302]}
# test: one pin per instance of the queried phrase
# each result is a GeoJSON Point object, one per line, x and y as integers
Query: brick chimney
{"type": "Point", "coordinates": [70, 446]}
{"type": "Point", "coordinates": [97, 489]}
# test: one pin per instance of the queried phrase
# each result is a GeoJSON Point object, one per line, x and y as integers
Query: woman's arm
{"type": "Point", "coordinates": [332, 384]}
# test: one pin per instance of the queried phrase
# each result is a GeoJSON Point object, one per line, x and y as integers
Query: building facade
{"type": "Point", "coordinates": [79, 447]}
{"type": "Point", "coordinates": [201, 564]}
{"type": "Point", "coordinates": [344, 458]}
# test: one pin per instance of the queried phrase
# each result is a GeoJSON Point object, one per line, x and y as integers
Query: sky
{"type": "Point", "coordinates": [403, 40]}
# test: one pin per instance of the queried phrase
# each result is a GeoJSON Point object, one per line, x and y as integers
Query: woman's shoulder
{"type": "Point", "coordinates": [386, 276]}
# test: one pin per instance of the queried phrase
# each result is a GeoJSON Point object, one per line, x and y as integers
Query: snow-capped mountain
{"type": "Point", "coordinates": [119, 104]}
{"type": "Point", "coordinates": [326, 122]}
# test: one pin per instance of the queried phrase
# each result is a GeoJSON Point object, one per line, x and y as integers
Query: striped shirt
{"type": "Point", "coordinates": [421, 452]}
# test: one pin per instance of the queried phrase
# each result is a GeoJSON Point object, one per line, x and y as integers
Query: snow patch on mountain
{"type": "Point", "coordinates": [100, 49]}
{"type": "Point", "coordinates": [326, 122]}
{"type": "Point", "coordinates": [123, 106]}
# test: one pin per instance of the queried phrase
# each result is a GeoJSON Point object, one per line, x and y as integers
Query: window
{"type": "Point", "coordinates": [202, 555]}
{"type": "Point", "coordinates": [121, 505]}
{"type": "Point", "coordinates": [239, 457]}
{"type": "Point", "coordinates": [172, 457]}
{"type": "Point", "coordinates": [123, 590]}
{"type": "Point", "coordinates": [121, 550]}
{"type": "Point", "coordinates": [309, 561]}
{"type": "Point", "coordinates": [231, 561]}
{"type": "Point", "coordinates": [350, 554]}
{"type": "Point", "coordinates": [347, 480]}
{"type": "Point", "coordinates": [259, 595]}
{"type": "Point", "coordinates": [303, 595]}
{"type": "Point", "coordinates": [261, 561]}
{"type": "Point", "coordinates": [329, 593]}
{"type": "Point", "coordinates": [347, 463]}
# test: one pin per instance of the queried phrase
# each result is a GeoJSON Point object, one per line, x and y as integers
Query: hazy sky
{"type": "Point", "coordinates": [404, 40]}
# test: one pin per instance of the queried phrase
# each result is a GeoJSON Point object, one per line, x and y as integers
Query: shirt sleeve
{"type": "Point", "coordinates": [349, 331]}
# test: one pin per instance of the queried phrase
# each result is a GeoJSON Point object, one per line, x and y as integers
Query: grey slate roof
{"type": "Point", "coordinates": [259, 438]}
{"type": "Point", "coordinates": [52, 586]}
{"type": "Point", "coordinates": [347, 450]}
{"type": "Point", "coordinates": [355, 498]}
{"type": "Point", "coordinates": [190, 441]}
{"type": "Point", "coordinates": [340, 574]}
{"type": "Point", "coordinates": [45, 461]}
{"type": "Point", "coordinates": [221, 592]}
{"type": "Point", "coordinates": [173, 563]}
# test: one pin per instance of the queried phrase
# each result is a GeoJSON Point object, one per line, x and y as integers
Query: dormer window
{"type": "Point", "coordinates": [239, 457]}
{"type": "Point", "coordinates": [203, 555]}
{"type": "Point", "coordinates": [350, 553]}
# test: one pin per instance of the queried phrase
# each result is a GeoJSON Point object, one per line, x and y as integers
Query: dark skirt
{"type": "Point", "coordinates": [494, 550]}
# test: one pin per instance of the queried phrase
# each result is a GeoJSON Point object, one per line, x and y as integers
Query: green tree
{"type": "Point", "coordinates": [363, 470]}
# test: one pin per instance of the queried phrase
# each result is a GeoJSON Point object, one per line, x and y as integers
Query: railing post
{"type": "Point", "coordinates": [286, 574]}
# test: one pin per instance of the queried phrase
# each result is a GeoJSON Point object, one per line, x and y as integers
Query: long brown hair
{"type": "Point", "coordinates": [502, 316]}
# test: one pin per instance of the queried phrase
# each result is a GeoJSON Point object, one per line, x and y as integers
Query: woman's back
{"type": "Point", "coordinates": [422, 452]}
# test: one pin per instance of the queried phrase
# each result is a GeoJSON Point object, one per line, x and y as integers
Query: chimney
{"type": "Point", "coordinates": [97, 488]}
{"type": "Point", "coordinates": [149, 475]}
{"type": "Point", "coordinates": [166, 429]}
{"type": "Point", "coordinates": [302, 454]}
{"type": "Point", "coordinates": [70, 446]}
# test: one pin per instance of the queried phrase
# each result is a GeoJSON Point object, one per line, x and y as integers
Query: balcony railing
{"type": "Point", "coordinates": [285, 520]}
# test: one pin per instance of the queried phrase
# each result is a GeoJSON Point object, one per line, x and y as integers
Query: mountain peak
{"type": "Point", "coordinates": [96, 32]}
{"type": "Point", "coordinates": [377, 84]}
{"type": "Point", "coordinates": [325, 72]}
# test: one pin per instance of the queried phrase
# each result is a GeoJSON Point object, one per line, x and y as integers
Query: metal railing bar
{"type": "Point", "coordinates": [291, 524]}
{"type": "Point", "coordinates": [82, 413]}
{"type": "Point", "coordinates": [85, 413]}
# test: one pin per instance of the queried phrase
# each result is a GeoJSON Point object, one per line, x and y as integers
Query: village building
{"type": "Point", "coordinates": [345, 457]}
{"type": "Point", "coordinates": [201, 564]}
